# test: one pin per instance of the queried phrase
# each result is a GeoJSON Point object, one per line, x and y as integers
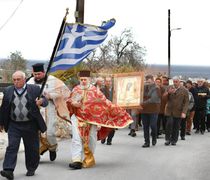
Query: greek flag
{"type": "Point", "coordinates": [77, 42]}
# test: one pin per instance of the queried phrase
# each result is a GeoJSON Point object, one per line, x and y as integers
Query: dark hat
{"type": "Point", "coordinates": [84, 73]}
{"type": "Point", "coordinates": [38, 67]}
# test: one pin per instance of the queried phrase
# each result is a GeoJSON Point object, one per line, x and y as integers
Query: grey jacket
{"type": "Point", "coordinates": [152, 99]}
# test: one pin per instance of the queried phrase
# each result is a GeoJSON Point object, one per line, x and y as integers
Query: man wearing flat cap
{"type": "Point", "coordinates": [56, 92]}
{"type": "Point", "coordinates": [90, 108]}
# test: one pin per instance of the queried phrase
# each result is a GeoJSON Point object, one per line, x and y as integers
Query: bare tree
{"type": "Point", "coordinates": [14, 62]}
{"type": "Point", "coordinates": [118, 52]}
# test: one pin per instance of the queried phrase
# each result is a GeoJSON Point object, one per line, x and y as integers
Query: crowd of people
{"type": "Point", "coordinates": [183, 106]}
{"type": "Point", "coordinates": [170, 108]}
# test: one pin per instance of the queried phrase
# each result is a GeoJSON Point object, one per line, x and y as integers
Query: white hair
{"type": "Point", "coordinates": [201, 79]}
{"type": "Point", "coordinates": [99, 78]}
{"type": "Point", "coordinates": [176, 78]}
{"type": "Point", "coordinates": [21, 73]}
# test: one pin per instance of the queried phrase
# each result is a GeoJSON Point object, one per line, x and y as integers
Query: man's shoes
{"type": "Point", "coordinates": [132, 133]}
{"type": "Point", "coordinates": [197, 131]}
{"type": "Point", "coordinates": [108, 143]}
{"type": "Point", "coordinates": [182, 138]}
{"type": "Point", "coordinates": [202, 132]}
{"type": "Point", "coordinates": [159, 133]}
{"type": "Point", "coordinates": [75, 165]}
{"type": "Point", "coordinates": [167, 143]}
{"type": "Point", "coordinates": [154, 142]}
{"type": "Point", "coordinates": [145, 145]}
{"type": "Point", "coordinates": [52, 155]}
{"type": "Point", "coordinates": [103, 141]}
{"type": "Point", "coordinates": [173, 144]}
{"type": "Point", "coordinates": [30, 173]}
{"type": "Point", "coordinates": [188, 133]}
{"type": "Point", "coordinates": [7, 174]}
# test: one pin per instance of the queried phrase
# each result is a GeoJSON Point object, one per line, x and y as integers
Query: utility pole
{"type": "Point", "coordinates": [79, 13]}
{"type": "Point", "coordinates": [169, 43]}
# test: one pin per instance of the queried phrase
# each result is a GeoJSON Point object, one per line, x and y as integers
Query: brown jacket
{"type": "Point", "coordinates": [177, 103]}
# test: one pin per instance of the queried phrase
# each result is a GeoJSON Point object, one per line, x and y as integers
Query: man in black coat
{"type": "Point", "coordinates": [20, 118]}
{"type": "Point", "coordinates": [200, 106]}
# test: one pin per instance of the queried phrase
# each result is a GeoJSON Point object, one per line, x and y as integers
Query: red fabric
{"type": "Point", "coordinates": [98, 110]}
{"type": "Point", "coordinates": [103, 133]}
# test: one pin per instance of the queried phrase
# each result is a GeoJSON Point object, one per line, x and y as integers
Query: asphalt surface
{"type": "Point", "coordinates": [125, 159]}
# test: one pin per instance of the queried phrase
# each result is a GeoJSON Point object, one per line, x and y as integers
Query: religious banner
{"type": "Point", "coordinates": [128, 89]}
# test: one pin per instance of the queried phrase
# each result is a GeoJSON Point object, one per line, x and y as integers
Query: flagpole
{"type": "Point", "coordinates": [54, 50]}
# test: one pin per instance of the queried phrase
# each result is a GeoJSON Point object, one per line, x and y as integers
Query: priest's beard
{"type": "Point", "coordinates": [39, 81]}
{"type": "Point", "coordinates": [85, 86]}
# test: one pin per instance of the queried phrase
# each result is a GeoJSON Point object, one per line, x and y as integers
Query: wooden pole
{"type": "Point", "coordinates": [79, 13]}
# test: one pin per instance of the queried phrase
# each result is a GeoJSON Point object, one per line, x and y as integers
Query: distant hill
{"type": "Point", "coordinates": [191, 71]}
{"type": "Point", "coordinates": [31, 62]}
{"type": "Point", "coordinates": [184, 70]}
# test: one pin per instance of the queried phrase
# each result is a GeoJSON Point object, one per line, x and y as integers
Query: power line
{"type": "Point", "coordinates": [10, 17]}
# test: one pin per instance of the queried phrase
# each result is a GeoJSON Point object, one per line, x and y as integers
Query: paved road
{"type": "Point", "coordinates": [127, 160]}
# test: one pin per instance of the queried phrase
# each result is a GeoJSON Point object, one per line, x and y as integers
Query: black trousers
{"type": "Point", "coordinates": [149, 121]}
{"type": "Point", "coordinates": [172, 129]}
{"type": "Point", "coordinates": [111, 135]}
{"type": "Point", "coordinates": [199, 123]}
{"type": "Point", "coordinates": [29, 133]}
{"type": "Point", "coordinates": [208, 121]}
{"type": "Point", "coordinates": [161, 122]}
{"type": "Point", "coordinates": [183, 127]}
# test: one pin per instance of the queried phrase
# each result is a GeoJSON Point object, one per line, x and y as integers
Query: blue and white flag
{"type": "Point", "coordinates": [77, 42]}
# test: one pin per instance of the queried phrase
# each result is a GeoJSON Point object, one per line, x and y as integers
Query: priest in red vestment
{"type": "Point", "coordinates": [92, 116]}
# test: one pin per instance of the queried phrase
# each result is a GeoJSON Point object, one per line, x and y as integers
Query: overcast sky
{"type": "Point", "coordinates": [34, 27]}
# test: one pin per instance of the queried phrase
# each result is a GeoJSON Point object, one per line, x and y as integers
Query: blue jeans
{"type": "Point", "coordinates": [149, 121]}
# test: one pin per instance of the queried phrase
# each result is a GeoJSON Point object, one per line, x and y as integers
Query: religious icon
{"type": "Point", "coordinates": [128, 89]}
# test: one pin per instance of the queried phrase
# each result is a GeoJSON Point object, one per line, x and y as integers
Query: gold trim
{"type": "Point", "coordinates": [89, 159]}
